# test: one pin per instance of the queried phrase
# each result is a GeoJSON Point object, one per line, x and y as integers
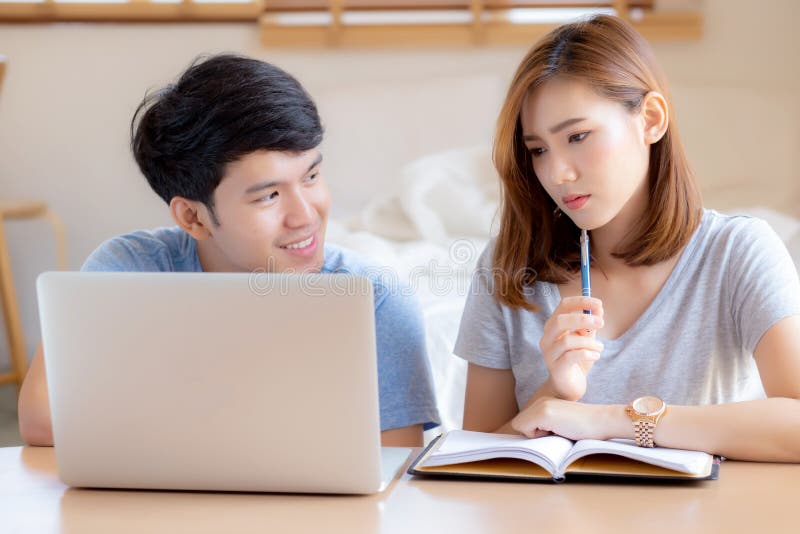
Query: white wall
{"type": "Point", "coordinates": [71, 89]}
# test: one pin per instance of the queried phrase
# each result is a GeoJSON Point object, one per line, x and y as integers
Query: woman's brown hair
{"type": "Point", "coordinates": [535, 243]}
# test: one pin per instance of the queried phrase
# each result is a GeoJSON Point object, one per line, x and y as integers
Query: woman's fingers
{"type": "Point", "coordinates": [560, 325]}
{"type": "Point", "coordinates": [569, 315]}
{"type": "Point", "coordinates": [569, 374]}
{"type": "Point", "coordinates": [579, 357]}
{"type": "Point", "coordinates": [575, 304]}
{"type": "Point", "coordinates": [578, 321]}
{"type": "Point", "coordinates": [573, 366]}
{"type": "Point", "coordinates": [569, 346]}
{"type": "Point", "coordinates": [568, 343]}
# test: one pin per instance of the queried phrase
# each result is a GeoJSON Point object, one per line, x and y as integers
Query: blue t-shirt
{"type": "Point", "coordinates": [404, 376]}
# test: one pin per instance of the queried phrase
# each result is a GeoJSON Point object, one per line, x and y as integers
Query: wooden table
{"type": "Point", "coordinates": [748, 497]}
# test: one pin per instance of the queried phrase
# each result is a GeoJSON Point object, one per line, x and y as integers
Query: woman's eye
{"type": "Point", "coordinates": [537, 151]}
{"type": "Point", "coordinates": [578, 137]}
{"type": "Point", "coordinates": [313, 177]}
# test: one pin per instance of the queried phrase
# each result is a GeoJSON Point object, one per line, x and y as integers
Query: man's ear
{"type": "Point", "coordinates": [655, 113]}
{"type": "Point", "coordinates": [192, 216]}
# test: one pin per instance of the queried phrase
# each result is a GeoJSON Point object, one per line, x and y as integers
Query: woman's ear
{"type": "Point", "coordinates": [191, 216]}
{"type": "Point", "coordinates": [656, 117]}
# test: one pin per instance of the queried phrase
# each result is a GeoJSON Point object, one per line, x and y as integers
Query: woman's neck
{"type": "Point", "coordinates": [608, 238]}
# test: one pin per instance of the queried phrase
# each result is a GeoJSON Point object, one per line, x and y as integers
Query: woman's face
{"type": "Point", "coordinates": [589, 153]}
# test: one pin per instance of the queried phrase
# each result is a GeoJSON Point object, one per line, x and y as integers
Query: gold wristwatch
{"type": "Point", "coordinates": [645, 413]}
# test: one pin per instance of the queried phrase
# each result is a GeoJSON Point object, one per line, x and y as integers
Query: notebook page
{"type": "Point", "coordinates": [692, 462]}
{"type": "Point", "coordinates": [459, 446]}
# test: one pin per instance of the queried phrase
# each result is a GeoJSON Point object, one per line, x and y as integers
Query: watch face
{"type": "Point", "coordinates": [648, 405]}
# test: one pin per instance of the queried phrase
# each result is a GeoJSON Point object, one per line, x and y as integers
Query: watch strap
{"type": "Point", "coordinates": [643, 429]}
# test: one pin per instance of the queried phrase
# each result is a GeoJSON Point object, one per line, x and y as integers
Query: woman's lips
{"type": "Point", "coordinates": [575, 202]}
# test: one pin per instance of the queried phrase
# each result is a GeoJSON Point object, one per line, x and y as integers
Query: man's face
{"type": "Point", "coordinates": [272, 209]}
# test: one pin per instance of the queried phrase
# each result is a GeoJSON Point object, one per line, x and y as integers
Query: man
{"type": "Point", "coordinates": [232, 148]}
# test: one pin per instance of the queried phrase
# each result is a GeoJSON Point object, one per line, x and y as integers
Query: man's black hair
{"type": "Point", "coordinates": [221, 108]}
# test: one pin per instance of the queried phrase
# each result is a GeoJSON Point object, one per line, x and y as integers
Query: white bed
{"type": "Point", "coordinates": [430, 232]}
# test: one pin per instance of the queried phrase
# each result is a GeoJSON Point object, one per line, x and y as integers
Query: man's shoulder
{"type": "Point", "coordinates": [162, 249]}
{"type": "Point", "coordinates": [385, 279]}
{"type": "Point", "coordinates": [339, 259]}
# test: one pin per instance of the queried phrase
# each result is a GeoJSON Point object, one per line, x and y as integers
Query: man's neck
{"type": "Point", "coordinates": [212, 260]}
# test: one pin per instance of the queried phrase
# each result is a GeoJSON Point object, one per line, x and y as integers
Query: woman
{"type": "Point", "coordinates": [693, 337]}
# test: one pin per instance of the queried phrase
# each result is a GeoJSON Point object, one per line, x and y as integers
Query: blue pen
{"type": "Point", "coordinates": [586, 282]}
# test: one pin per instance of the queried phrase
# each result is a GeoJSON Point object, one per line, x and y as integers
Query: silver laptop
{"type": "Point", "coordinates": [230, 382]}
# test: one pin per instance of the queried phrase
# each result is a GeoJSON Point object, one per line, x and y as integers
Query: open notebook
{"type": "Point", "coordinates": [479, 454]}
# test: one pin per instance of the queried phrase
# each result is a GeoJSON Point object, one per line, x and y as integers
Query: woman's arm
{"type": "Point", "coordinates": [766, 430]}
{"type": "Point", "coordinates": [759, 430]}
{"type": "Point", "coordinates": [569, 353]}
{"type": "Point", "coordinates": [489, 400]}
{"type": "Point", "coordinates": [490, 403]}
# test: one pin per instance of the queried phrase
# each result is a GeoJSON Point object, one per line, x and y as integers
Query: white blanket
{"type": "Point", "coordinates": [431, 231]}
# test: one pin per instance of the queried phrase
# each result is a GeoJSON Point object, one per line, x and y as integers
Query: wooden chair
{"type": "Point", "coordinates": [16, 339]}
{"type": "Point", "coordinates": [10, 309]}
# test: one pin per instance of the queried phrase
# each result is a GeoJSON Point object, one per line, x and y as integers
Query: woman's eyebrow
{"type": "Point", "coordinates": [555, 129]}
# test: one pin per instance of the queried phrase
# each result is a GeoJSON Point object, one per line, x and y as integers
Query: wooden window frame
{"type": "Point", "coordinates": [487, 22]}
{"type": "Point", "coordinates": [497, 29]}
{"type": "Point", "coordinates": [132, 11]}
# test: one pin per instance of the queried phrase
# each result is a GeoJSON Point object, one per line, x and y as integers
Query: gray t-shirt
{"type": "Point", "coordinates": [693, 345]}
{"type": "Point", "coordinates": [404, 376]}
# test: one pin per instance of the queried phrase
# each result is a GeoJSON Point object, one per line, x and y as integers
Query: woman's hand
{"type": "Point", "coordinates": [572, 420]}
{"type": "Point", "coordinates": [569, 346]}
